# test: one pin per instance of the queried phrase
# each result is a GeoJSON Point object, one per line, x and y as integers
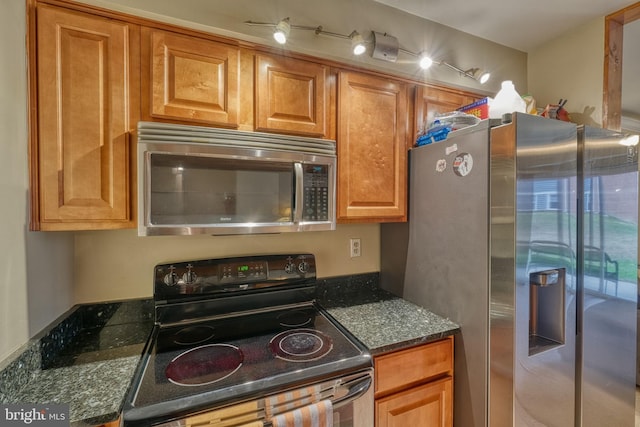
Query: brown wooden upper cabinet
{"type": "Point", "coordinates": [292, 96]}
{"type": "Point", "coordinates": [188, 79]}
{"type": "Point", "coordinates": [373, 127]}
{"type": "Point", "coordinates": [95, 75]}
{"type": "Point", "coordinates": [431, 101]}
{"type": "Point", "coordinates": [87, 91]}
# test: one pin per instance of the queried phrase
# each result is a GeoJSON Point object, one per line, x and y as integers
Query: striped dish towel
{"type": "Point", "coordinates": [317, 415]}
{"type": "Point", "coordinates": [291, 400]}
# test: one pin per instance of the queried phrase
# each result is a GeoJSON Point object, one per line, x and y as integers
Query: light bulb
{"type": "Point", "coordinates": [484, 77]}
{"type": "Point", "coordinates": [425, 61]}
{"type": "Point", "coordinates": [282, 31]}
{"type": "Point", "coordinates": [357, 43]}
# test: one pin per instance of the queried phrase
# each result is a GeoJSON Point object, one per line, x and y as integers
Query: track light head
{"type": "Point", "coordinates": [484, 77]}
{"type": "Point", "coordinates": [281, 33]}
{"type": "Point", "coordinates": [477, 74]}
{"type": "Point", "coordinates": [357, 43]}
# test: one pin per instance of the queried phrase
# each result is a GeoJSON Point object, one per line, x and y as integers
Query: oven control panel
{"type": "Point", "coordinates": [243, 271]}
{"type": "Point", "coordinates": [237, 274]}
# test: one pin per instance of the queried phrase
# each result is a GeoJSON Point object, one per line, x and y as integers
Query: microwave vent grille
{"type": "Point", "coordinates": [168, 132]}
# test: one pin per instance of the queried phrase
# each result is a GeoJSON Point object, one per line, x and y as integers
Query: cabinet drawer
{"type": "Point", "coordinates": [408, 367]}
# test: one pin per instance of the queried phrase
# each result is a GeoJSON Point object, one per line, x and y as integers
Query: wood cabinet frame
{"type": "Point", "coordinates": [612, 90]}
{"type": "Point", "coordinates": [77, 186]}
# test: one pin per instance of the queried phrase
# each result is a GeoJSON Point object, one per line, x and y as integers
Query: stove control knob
{"type": "Point", "coordinates": [171, 278]}
{"type": "Point", "coordinates": [290, 267]}
{"type": "Point", "coordinates": [189, 277]}
{"type": "Point", "coordinates": [303, 267]}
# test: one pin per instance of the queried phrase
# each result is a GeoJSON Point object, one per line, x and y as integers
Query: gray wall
{"type": "Point", "coordinates": [36, 269]}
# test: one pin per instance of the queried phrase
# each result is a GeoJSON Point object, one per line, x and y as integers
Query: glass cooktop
{"type": "Point", "coordinates": [197, 365]}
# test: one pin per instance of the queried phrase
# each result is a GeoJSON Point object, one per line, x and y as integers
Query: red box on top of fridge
{"type": "Point", "coordinates": [480, 108]}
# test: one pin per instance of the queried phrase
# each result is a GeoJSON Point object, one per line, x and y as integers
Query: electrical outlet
{"type": "Point", "coordinates": [356, 248]}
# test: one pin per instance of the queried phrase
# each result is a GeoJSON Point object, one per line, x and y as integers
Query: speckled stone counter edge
{"type": "Point", "coordinates": [20, 367]}
{"type": "Point", "coordinates": [350, 300]}
{"type": "Point", "coordinates": [17, 370]}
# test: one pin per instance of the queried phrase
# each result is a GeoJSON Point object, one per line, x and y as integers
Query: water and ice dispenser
{"type": "Point", "coordinates": [546, 309]}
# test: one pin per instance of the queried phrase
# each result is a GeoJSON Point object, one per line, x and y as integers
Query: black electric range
{"type": "Point", "coordinates": [234, 330]}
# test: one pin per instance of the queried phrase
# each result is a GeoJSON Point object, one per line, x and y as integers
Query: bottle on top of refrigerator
{"type": "Point", "coordinates": [507, 100]}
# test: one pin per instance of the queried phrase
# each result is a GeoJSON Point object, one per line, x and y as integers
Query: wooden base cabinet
{"type": "Point", "coordinates": [87, 91]}
{"type": "Point", "coordinates": [414, 387]}
{"type": "Point", "coordinates": [428, 405]}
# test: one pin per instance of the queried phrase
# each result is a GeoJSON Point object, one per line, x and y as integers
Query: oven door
{"type": "Point", "coordinates": [350, 397]}
{"type": "Point", "coordinates": [357, 410]}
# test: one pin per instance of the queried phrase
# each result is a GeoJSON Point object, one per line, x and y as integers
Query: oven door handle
{"type": "Point", "coordinates": [354, 389]}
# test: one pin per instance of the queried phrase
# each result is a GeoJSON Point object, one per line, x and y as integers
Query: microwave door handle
{"type": "Point", "coordinates": [299, 197]}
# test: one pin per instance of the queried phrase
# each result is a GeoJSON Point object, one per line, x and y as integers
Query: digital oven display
{"type": "Point", "coordinates": [248, 271]}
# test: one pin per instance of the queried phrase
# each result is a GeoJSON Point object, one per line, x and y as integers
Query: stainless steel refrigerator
{"type": "Point", "coordinates": [525, 234]}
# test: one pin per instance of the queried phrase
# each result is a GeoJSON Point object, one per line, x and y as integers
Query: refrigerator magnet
{"type": "Point", "coordinates": [451, 149]}
{"type": "Point", "coordinates": [441, 165]}
{"type": "Point", "coordinates": [462, 164]}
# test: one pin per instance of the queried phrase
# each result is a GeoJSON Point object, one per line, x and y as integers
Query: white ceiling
{"type": "Point", "coordinates": [519, 24]}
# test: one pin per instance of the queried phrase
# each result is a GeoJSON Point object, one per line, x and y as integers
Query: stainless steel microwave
{"type": "Point", "coordinates": [199, 180]}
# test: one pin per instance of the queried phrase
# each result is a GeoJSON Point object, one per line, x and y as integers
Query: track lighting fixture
{"type": "Point", "coordinates": [283, 28]}
{"type": "Point", "coordinates": [473, 73]}
{"type": "Point", "coordinates": [425, 62]}
{"type": "Point", "coordinates": [281, 33]}
{"type": "Point", "coordinates": [385, 47]}
{"type": "Point", "coordinates": [357, 43]}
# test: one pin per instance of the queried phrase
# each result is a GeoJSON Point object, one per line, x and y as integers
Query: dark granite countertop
{"type": "Point", "coordinates": [88, 358]}
{"type": "Point", "coordinates": [380, 320]}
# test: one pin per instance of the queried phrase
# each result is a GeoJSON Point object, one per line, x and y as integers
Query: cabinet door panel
{"type": "Point", "coordinates": [190, 79]}
{"type": "Point", "coordinates": [291, 96]}
{"type": "Point", "coordinates": [84, 80]}
{"type": "Point", "coordinates": [431, 101]}
{"type": "Point", "coordinates": [426, 405]}
{"type": "Point", "coordinates": [372, 151]}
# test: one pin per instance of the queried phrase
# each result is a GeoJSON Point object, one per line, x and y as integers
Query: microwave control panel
{"type": "Point", "coordinates": [316, 193]}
